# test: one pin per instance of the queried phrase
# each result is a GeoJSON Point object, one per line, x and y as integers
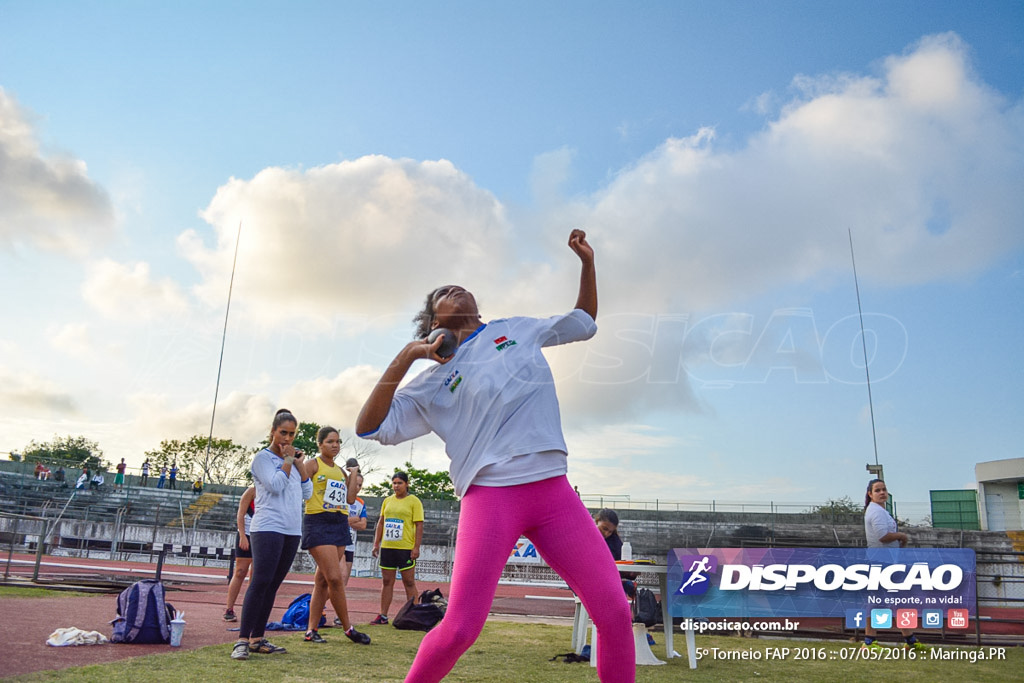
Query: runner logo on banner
{"type": "Point", "coordinates": [819, 582]}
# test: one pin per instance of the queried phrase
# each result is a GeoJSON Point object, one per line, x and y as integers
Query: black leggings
{"type": "Point", "coordinates": [272, 556]}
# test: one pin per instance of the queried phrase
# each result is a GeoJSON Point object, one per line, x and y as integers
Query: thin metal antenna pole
{"type": "Point", "coordinates": [223, 339]}
{"type": "Point", "coordinates": [864, 345]}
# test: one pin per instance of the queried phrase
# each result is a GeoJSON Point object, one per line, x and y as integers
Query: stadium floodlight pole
{"type": "Point", "coordinates": [220, 363]}
{"type": "Point", "coordinates": [877, 469]}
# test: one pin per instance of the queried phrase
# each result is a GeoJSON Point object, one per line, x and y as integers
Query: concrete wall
{"type": "Point", "coordinates": [651, 535]}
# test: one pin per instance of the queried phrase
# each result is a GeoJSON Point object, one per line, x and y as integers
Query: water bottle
{"type": "Point", "coordinates": [177, 629]}
{"type": "Point", "coordinates": [627, 551]}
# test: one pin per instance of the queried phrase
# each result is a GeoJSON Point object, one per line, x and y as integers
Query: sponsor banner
{"type": "Point", "coordinates": [524, 552]}
{"type": "Point", "coordinates": [822, 582]}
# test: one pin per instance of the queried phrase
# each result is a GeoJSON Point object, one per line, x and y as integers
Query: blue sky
{"type": "Point", "coordinates": [717, 153]}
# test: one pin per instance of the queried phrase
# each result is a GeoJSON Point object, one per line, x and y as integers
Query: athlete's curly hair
{"type": "Point", "coordinates": [425, 317]}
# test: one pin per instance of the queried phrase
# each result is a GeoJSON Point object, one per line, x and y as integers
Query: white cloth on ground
{"type": "Point", "coordinates": [75, 636]}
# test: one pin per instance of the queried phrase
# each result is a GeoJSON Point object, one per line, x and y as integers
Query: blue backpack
{"type": "Point", "coordinates": [143, 616]}
{"type": "Point", "coordinates": [296, 617]}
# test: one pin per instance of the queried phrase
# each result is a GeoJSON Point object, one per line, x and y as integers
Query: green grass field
{"type": "Point", "coordinates": [26, 592]}
{"type": "Point", "coordinates": [519, 653]}
{"type": "Point", "coordinates": [509, 652]}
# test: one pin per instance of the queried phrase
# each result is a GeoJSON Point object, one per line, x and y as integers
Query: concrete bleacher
{"type": "Point", "coordinates": [25, 495]}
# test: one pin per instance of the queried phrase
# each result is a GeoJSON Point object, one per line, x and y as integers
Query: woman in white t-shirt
{"type": "Point", "coordinates": [493, 403]}
{"type": "Point", "coordinates": [881, 531]}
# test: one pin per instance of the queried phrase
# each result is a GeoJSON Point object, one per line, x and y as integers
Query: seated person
{"type": "Point", "coordinates": [82, 480]}
{"type": "Point", "coordinates": [59, 476]}
{"type": "Point", "coordinates": [608, 524]}
{"type": "Point", "coordinates": [197, 486]}
{"type": "Point", "coordinates": [97, 481]}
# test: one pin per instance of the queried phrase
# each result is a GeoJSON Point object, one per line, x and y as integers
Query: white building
{"type": "Point", "coordinates": [1001, 494]}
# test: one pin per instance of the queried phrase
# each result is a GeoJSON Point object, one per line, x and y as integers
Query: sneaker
{"type": "Point", "coordinates": [357, 637]}
{"type": "Point", "coordinates": [917, 645]}
{"type": "Point", "coordinates": [240, 650]}
{"type": "Point", "coordinates": [873, 645]}
{"type": "Point", "coordinates": [314, 637]}
{"type": "Point", "coordinates": [337, 622]}
{"type": "Point", "coordinates": [229, 615]}
{"type": "Point", "coordinates": [265, 647]}
{"type": "Point", "coordinates": [379, 619]}
{"type": "Point", "coordinates": [650, 639]}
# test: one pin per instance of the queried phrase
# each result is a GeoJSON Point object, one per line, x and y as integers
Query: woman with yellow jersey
{"type": "Point", "coordinates": [396, 542]}
{"type": "Point", "coordinates": [325, 533]}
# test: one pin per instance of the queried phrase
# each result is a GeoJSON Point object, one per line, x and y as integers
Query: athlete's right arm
{"type": "Point", "coordinates": [378, 533]}
{"type": "Point", "coordinates": [379, 403]}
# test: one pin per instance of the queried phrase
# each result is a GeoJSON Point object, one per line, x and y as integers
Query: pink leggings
{"type": "Point", "coordinates": [550, 514]}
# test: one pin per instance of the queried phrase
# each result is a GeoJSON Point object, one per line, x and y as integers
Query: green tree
{"type": "Point", "coordinates": [422, 484]}
{"type": "Point", "coordinates": [836, 507]}
{"type": "Point", "coordinates": [223, 462]}
{"type": "Point", "coordinates": [67, 451]}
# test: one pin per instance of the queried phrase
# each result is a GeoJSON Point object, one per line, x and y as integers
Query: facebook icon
{"type": "Point", "coordinates": [855, 618]}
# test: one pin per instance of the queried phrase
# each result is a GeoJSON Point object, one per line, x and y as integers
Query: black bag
{"type": "Point", "coordinates": [646, 609]}
{"type": "Point", "coordinates": [571, 658]}
{"type": "Point", "coordinates": [421, 614]}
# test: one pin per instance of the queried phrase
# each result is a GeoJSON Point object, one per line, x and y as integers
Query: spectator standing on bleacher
{"type": "Point", "coordinates": [281, 486]}
{"type": "Point", "coordinates": [163, 477]}
{"type": "Point", "coordinates": [173, 475]}
{"type": "Point", "coordinates": [145, 473]}
{"type": "Point", "coordinates": [119, 477]}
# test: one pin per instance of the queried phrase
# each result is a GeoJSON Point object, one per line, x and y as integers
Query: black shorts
{"type": "Point", "coordinates": [238, 550]}
{"type": "Point", "coordinates": [325, 528]}
{"type": "Point", "coordinates": [396, 559]}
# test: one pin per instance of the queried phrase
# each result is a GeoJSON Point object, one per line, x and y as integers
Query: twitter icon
{"type": "Point", "coordinates": [881, 618]}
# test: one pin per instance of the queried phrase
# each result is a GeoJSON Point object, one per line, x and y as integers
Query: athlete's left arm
{"type": "Point", "coordinates": [586, 300]}
{"type": "Point", "coordinates": [419, 539]}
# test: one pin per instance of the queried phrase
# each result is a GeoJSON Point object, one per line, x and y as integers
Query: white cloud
{"type": "Point", "coordinates": [74, 339]}
{"type": "Point", "coordinates": [922, 161]}
{"type": "Point", "coordinates": [125, 291]}
{"type": "Point", "coordinates": [335, 401]}
{"type": "Point", "coordinates": [923, 164]}
{"type": "Point", "coordinates": [612, 458]}
{"type": "Point", "coordinates": [367, 236]}
{"type": "Point", "coordinates": [244, 418]}
{"type": "Point", "coordinates": [48, 202]}
{"type": "Point", "coordinates": [25, 394]}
